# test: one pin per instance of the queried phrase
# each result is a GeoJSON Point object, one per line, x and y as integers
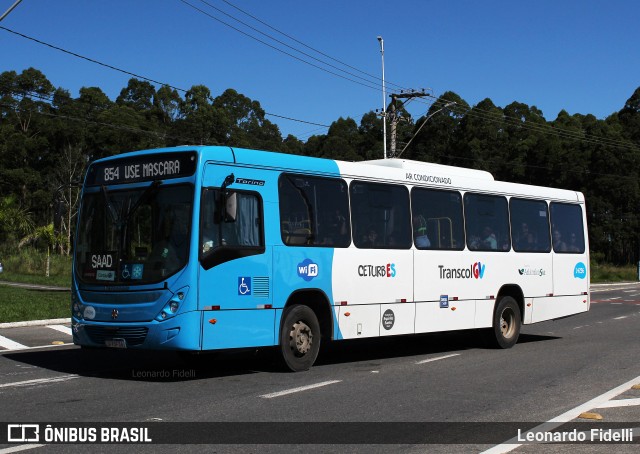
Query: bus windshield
{"type": "Point", "coordinates": [133, 236]}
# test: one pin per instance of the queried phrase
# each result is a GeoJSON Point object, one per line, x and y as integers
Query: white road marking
{"type": "Point", "coordinates": [23, 348]}
{"type": "Point", "coordinates": [39, 381]}
{"type": "Point", "coordinates": [9, 344]}
{"type": "Point", "coordinates": [299, 389]}
{"type": "Point", "coordinates": [19, 448]}
{"type": "Point", "coordinates": [596, 402]}
{"type": "Point", "coordinates": [61, 328]}
{"type": "Point", "coordinates": [620, 403]}
{"type": "Point", "coordinates": [620, 318]}
{"type": "Point", "coordinates": [437, 359]}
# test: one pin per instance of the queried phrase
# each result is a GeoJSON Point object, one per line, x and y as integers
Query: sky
{"type": "Point", "coordinates": [578, 56]}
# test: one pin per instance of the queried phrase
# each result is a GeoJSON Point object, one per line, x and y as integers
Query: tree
{"type": "Point", "coordinates": [246, 123]}
{"type": "Point", "coordinates": [67, 197]}
{"type": "Point", "coordinates": [371, 136]}
{"type": "Point", "coordinates": [201, 122]}
{"type": "Point", "coordinates": [342, 141]}
{"type": "Point", "coordinates": [15, 221]}
{"type": "Point", "coordinates": [629, 118]}
{"type": "Point", "coordinates": [434, 142]}
{"type": "Point", "coordinates": [138, 95]}
{"type": "Point", "coordinates": [479, 142]}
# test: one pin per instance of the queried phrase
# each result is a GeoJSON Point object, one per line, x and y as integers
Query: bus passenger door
{"type": "Point", "coordinates": [570, 261]}
{"type": "Point", "coordinates": [235, 270]}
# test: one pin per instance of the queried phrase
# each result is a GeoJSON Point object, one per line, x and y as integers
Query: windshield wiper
{"type": "Point", "coordinates": [147, 194]}
{"type": "Point", "coordinates": [110, 209]}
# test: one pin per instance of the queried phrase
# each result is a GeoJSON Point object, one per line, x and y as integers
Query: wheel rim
{"type": "Point", "coordinates": [300, 338]}
{"type": "Point", "coordinates": [507, 323]}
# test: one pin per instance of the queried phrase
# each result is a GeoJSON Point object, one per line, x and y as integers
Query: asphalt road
{"type": "Point", "coordinates": [372, 390]}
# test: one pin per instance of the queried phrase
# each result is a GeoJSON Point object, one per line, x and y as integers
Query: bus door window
{"type": "Point", "coordinates": [226, 236]}
{"type": "Point", "coordinates": [218, 229]}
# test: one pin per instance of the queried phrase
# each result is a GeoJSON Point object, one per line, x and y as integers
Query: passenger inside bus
{"type": "Point", "coordinates": [420, 232]}
{"type": "Point", "coordinates": [558, 244]}
{"type": "Point", "coordinates": [489, 239]}
{"type": "Point", "coordinates": [574, 246]}
{"type": "Point", "coordinates": [370, 240]}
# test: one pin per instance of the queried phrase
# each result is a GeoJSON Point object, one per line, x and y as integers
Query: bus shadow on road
{"type": "Point", "coordinates": [166, 366]}
{"type": "Point", "coordinates": [137, 365]}
{"type": "Point", "coordinates": [412, 345]}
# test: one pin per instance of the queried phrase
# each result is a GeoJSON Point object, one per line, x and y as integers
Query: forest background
{"type": "Point", "coordinates": [48, 138]}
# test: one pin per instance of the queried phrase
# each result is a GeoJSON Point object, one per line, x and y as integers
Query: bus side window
{"type": "Point", "coordinates": [380, 215]}
{"type": "Point", "coordinates": [438, 214]}
{"type": "Point", "coordinates": [529, 225]}
{"type": "Point", "coordinates": [567, 228]}
{"type": "Point", "coordinates": [314, 211]}
{"type": "Point", "coordinates": [487, 222]}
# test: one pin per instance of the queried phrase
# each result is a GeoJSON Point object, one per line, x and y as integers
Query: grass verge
{"type": "Point", "coordinates": [609, 273]}
{"type": "Point", "coordinates": [17, 304]}
{"type": "Point", "coordinates": [54, 281]}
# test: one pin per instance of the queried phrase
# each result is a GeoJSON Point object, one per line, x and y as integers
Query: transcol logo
{"type": "Point", "coordinates": [475, 271]}
{"type": "Point", "coordinates": [307, 270]}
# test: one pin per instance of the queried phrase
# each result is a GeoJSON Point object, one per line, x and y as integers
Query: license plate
{"type": "Point", "coordinates": [116, 343]}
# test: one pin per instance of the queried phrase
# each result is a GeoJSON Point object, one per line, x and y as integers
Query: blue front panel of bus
{"type": "Point", "coordinates": [235, 304]}
{"type": "Point", "coordinates": [178, 333]}
{"type": "Point", "coordinates": [241, 297]}
{"type": "Point", "coordinates": [238, 329]}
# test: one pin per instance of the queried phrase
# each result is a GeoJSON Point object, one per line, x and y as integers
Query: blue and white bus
{"type": "Point", "coordinates": [200, 248]}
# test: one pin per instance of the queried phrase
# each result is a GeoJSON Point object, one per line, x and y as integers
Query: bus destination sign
{"type": "Point", "coordinates": [142, 168]}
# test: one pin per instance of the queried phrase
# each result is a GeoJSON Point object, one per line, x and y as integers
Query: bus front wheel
{"type": "Point", "coordinates": [506, 323]}
{"type": "Point", "coordinates": [299, 338]}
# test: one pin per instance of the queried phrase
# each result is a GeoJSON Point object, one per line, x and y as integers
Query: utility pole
{"type": "Point", "coordinates": [394, 117]}
{"type": "Point", "coordinates": [384, 100]}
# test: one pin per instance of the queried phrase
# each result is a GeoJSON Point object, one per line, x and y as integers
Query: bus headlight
{"type": "Point", "coordinates": [171, 308]}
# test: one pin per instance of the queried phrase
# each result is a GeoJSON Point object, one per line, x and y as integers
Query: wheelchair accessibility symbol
{"type": "Point", "coordinates": [244, 286]}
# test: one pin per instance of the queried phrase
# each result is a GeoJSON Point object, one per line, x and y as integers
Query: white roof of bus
{"type": "Point", "coordinates": [438, 169]}
{"type": "Point", "coordinates": [423, 174]}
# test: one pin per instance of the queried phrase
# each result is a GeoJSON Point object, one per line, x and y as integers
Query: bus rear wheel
{"type": "Point", "coordinates": [506, 323]}
{"type": "Point", "coordinates": [299, 338]}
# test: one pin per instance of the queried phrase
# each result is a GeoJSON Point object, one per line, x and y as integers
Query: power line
{"type": "Point", "coordinates": [91, 60]}
{"type": "Point", "coordinates": [281, 42]}
{"type": "Point", "coordinates": [99, 123]}
{"type": "Point", "coordinates": [276, 48]}
{"type": "Point", "coordinates": [179, 138]}
{"type": "Point", "coordinates": [376, 78]}
{"type": "Point", "coordinates": [474, 112]}
{"type": "Point", "coordinates": [541, 128]}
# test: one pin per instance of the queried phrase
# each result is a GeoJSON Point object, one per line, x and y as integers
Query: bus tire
{"type": "Point", "coordinates": [299, 338]}
{"type": "Point", "coordinates": [506, 323]}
